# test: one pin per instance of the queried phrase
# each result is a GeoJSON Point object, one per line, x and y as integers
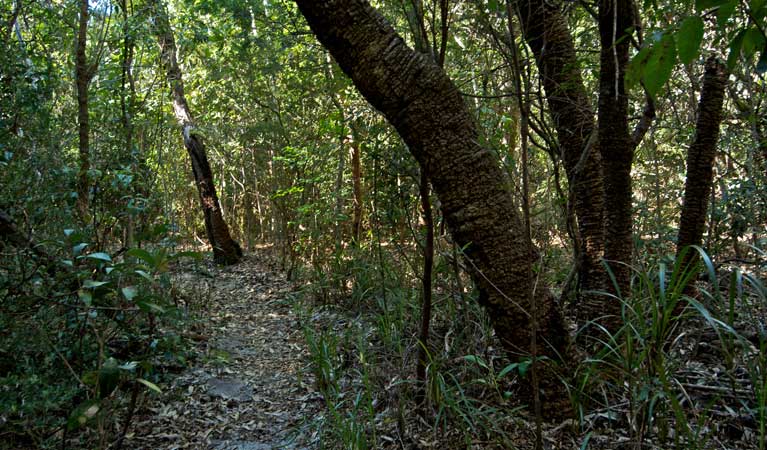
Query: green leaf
{"type": "Point", "coordinates": [660, 64]}
{"type": "Point", "coordinates": [82, 414]}
{"type": "Point", "coordinates": [761, 65]}
{"type": "Point", "coordinates": [78, 248]}
{"type": "Point", "coordinates": [150, 307]}
{"type": "Point", "coordinates": [142, 254]}
{"type": "Point", "coordinates": [523, 366]}
{"type": "Point", "coordinates": [688, 39]}
{"type": "Point", "coordinates": [85, 296]}
{"type": "Point", "coordinates": [735, 46]}
{"type": "Point", "coordinates": [511, 367]}
{"type": "Point", "coordinates": [145, 275]}
{"type": "Point", "coordinates": [90, 284]}
{"type": "Point", "coordinates": [150, 385]}
{"type": "Point", "coordinates": [101, 256]}
{"type": "Point", "coordinates": [725, 11]}
{"type": "Point", "coordinates": [129, 292]}
{"type": "Point", "coordinates": [636, 68]}
{"type": "Point", "coordinates": [109, 377]}
{"type": "Point", "coordinates": [477, 360]}
{"type": "Point", "coordinates": [753, 41]}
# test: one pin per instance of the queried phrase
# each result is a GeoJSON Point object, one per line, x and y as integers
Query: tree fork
{"type": "Point", "coordinates": [429, 113]}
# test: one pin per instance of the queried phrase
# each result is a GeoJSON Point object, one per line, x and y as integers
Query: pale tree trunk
{"type": "Point", "coordinates": [225, 249]}
{"type": "Point", "coordinates": [617, 148]}
{"type": "Point", "coordinates": [83, 76]}
{"type": "Point", "coordinates": [700, 159]}
{"type": "Point", "coordinates": [546, 32]}
{"type": "Point", "coordinates": [428, 111]}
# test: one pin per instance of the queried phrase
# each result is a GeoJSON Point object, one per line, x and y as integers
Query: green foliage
{"type": "Point", "coordinates": [86, 329]}
{"type": "Point", "coordinates": [642, 362]}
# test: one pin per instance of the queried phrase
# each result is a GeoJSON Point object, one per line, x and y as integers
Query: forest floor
{"type": "Point", "coordinates": [249, 388]}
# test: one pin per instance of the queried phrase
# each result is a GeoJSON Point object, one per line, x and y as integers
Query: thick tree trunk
{"type": "Point", "coordinates": [616, 146]}
{"type": "Point", "coordinates": [426, 108]}
{"type": "Point", "coordinates": [700, 158]}
{"type": "Point", "coordinates": [225, 249]}
{"type": "Point", "coordinates": [547, 33]}
{"type": "Point", "coordinates": [82, 80]}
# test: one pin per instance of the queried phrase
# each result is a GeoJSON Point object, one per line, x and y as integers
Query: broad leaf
{"type": "Point", "coordinates": [688, 39]}
{"type": "Point", "coordinates": [101, 256]}
{"type": "Point", "coordinates": [129, 292]}
{"type": "Point", "coordinates": [735, 47]}
{"type": "Point", "coordinates": [660, 64]}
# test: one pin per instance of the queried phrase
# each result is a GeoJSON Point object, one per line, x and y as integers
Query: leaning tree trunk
{"type": "Point", "coordinates": [700, 158]}
{"type": "Point", "coordinates": [429, 113]}
{"type": "Point", "coordinates": [82, 80]}
{"type": "Point", "coordinates": [616, 20]}
{"type": "Point", "coordinates": [546, 32]}
{"type": "Point", "coordinates": [225, 249]}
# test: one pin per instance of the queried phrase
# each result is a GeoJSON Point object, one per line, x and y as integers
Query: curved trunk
{"type": "Point", "coordinates": [225, 249]}
{"type": "Point", "coordinates": [547, 33]}
{"type": "Point", "coordinates": [700, 158]}
{"type": "Point", "coordinates": [426, 108]}
{"type": "Point", "coordinates": [616, 20]}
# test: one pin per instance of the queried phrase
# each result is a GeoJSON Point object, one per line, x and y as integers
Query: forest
{"type": "Point", "coordinates": [383, 224]}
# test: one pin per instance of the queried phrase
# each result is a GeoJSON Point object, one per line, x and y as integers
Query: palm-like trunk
{"type": "Point", "coordinates": [616, 144]}
{"type": "Point", "coordinates": [225, 249]}
{"type": "Point", "coordinates": [426, 108]}
{"type": "Point", "coordinates": [547, 33]}
{"type": "Point", "coordinates": [700, 158]}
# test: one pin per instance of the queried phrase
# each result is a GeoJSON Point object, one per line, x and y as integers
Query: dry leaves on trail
{"type": "Point", "coordinates": [249, 392]}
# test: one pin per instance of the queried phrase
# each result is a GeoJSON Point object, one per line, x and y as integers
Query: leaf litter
{"type": "Point", "coordinates": [251, 390]}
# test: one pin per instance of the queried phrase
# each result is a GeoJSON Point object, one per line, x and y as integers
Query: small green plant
{"type": "Point", "coordinates": [93, 328]}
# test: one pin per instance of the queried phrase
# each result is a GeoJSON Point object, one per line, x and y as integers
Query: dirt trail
{"type": "Point", "coordinates": [250, 390]}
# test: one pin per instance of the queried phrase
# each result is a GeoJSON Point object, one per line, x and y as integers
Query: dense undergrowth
{"type": "Point", "coordinates": [686, 369]}
{"type": "Point", "coordinates": [84, 335]}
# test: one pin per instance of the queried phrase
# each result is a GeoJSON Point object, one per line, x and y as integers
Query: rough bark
{"type": "Point", "coordinates": [427, 110]}
{"type": "Point", "coordinates": [700, 158]}
{"type": "Point", "coordinates": [225, 249]}
{"type": "Point", "coordinates": [82, 80]}
{"type": "Point", "coordinates": [616, 144]}
{"type": "Point", "coordinates": [547, 33]}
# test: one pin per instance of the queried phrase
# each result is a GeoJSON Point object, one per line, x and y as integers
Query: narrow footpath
{"type": "Point", "coordinates": [250, 388]}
